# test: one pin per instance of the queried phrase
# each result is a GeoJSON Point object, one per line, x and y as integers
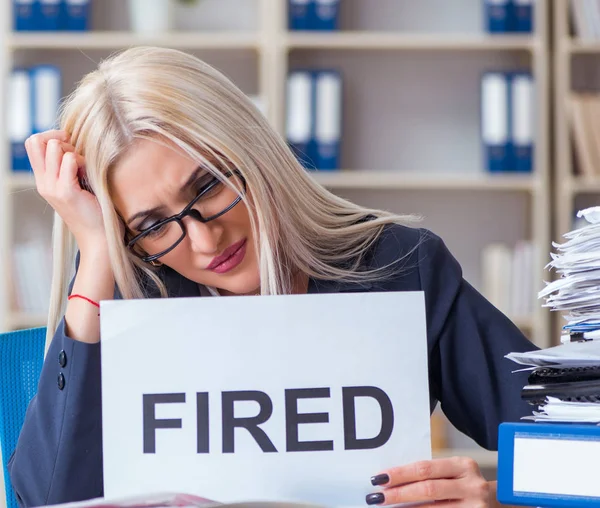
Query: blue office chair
{"type": "Point", "coordinates": [21, 359]}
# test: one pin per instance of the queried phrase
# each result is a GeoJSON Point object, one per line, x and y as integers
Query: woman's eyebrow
{"type": "Point", "coordinates": [192, 178]}
{"type": "Point", "coordinates": [144, 213]}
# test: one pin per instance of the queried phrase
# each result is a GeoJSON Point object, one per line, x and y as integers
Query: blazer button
{"type": "Point", "coordinates": [62, 359]}
{"type": "Point", "coordinates": [61, 381]}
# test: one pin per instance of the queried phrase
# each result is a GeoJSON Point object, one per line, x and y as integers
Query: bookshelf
{"type": "Point", "coordinates": [411, 132]}
{"type": "Point", "coordinates": [576, 66]}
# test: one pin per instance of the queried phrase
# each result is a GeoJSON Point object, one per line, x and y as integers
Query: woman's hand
{"type": "Point", "coordinates": [56, 167]}
{"type": "Point", "coordinates": [451, 482]}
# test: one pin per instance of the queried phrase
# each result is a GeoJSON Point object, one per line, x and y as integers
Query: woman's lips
{"type": "Point", "coordinates": [231, 257]}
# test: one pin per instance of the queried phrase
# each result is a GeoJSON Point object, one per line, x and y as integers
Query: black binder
{"type": "Point", "coordinates": [575, 391]}
{"type": "Point", "coordinates": [548, 375]}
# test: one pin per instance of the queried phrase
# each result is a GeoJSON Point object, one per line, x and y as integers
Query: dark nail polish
{"type": "Point", "coordinates": [376, 498]}
{"type": "Point", "coordinates": [380, 479]}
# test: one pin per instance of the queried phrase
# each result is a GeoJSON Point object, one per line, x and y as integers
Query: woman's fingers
{"type": "Point", "coordinates": [54, 157]}
{"type": "Point", "coordinates": [67, 177]}
{"type": "Point", "coordinates": [36, 146]}
{"type": "Point", "coordinates": [425, 470]}
{"type": "Point", "coordinates": [70, 148]}
{"type": "Point", "coordinates": [455, 479]}
{"type": "Point", "coordinates": [450, 504]}
{"type": "Point", "coordinates": [423, 491]}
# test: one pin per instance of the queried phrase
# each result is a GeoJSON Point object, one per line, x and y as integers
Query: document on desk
{"type": "Point", "coordinates": [571, 354]}
{"type": "Point", "coordinates": [298, 398]}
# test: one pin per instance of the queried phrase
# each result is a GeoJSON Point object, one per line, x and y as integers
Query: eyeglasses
{"type": "Point", "coordinates": [214, 200]}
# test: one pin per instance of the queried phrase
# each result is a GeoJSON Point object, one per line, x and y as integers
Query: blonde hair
{"type": "Point", "coordinates": [171, 96]}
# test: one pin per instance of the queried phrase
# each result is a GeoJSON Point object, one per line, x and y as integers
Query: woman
{"type": "Point", "coordinates": [187, 191]}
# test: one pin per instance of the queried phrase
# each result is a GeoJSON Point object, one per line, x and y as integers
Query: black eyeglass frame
{"type": "Point", "coordinates": [189, 210]}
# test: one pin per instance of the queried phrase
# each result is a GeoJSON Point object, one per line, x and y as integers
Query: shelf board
{"type": "Point", "coordinates": [585, 185]}
{"type": "Point", "coordinates": [399, 180]}
{"type": "Point", "coordinates": [576, 46]}
{"type": "Point", "coordinates": [406, 41]}
{"type": "Point", "coordinates": [18, 320]}
{"type": "Point", "coordinates": [19, 181]}
{"type": "Point", "coordinates": [114, 40]}
{"type": "Point", "coordinates": [485, 458]}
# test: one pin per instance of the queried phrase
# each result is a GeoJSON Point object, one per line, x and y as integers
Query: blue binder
{"type": "Point", "coordinates": [326, 15]}
{"type": "Point", "coordinates": [300, 116]}
{"type": "Point", "coordinates": [76, 15]}
{"type": "Point", "coordinates": [548, 464]}
{"type": "Point", "coordinates": [49, 14]}
{"type": "Point", "coordinates": [497, 15]}
{"type": "Point", "coordinates": [495, 121]}
{"type": "Point", "coordinates": [300, 14]}
{"type": "Point", "coordinates": [24, 15]}
{"type": "Point", "coordinates": [46, 92]}
{"type": "Point", "coordinates": [522, 122]}
{"type": "Point", "coordinates": [521, 16]}
{"type": "Point", "coordinates": [19, 117]}
{"type": "Point", "coordinates": [327, 119]}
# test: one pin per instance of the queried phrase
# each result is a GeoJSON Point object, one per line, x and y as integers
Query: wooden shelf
{"type": "Point", "coordinates": [484, 458]}
{"type": "Point", "coordinates": [116, 40]}
{"type": "Point", "coordinates": [403, 41]}
{"type": "Point", "coordinates": [398, 180]}
{"type": "Point", "coordinates": [18, 320]}
{"type": "Point", "coordinates": [575, 46]}
{"type": "Point", "coordinates": [583, 185]}
{"type": "Point", "coordinates": [19, 181]}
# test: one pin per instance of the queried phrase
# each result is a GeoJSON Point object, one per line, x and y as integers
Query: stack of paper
{"type": "Point", "coordinates": [577, 291]}
{"type": "Point", "coordinates": [564, 382]}
{"type": "Point", "coordinates": [560, 411]}
{"type": "Point", "coordinates": [176, 500]}
{"type": "Point", "coordinates": [569, 355]}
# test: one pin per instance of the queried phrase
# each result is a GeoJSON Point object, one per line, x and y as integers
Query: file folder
{"type": "Point", "coordinates": [49, 18]}
{"type": "Point", "coordinates": [328, 119]}
{"type": "Point", "coordinates": [522, 117]}
{"type": "Point", "coordinates": [496, 15]}
{"type": "Point", "coordinates": [19, 117]}
{"type": "Point", "coordinates": [24, 15]}
{"type": "Point", "coordinates": [300, 114]}
{"type": "Point", "coordinates": [300, 14]}
{"type": "Point", "coordinates": [326, 15]}
{"type": "Point", "coordinates": [549, 465]}
{"type": "Point", "coordinates": [46, 87]}
{"type": "Point", "coordinates": [76, 15]}
{"type": "Point", "coordinates": [495, 121]}
{"type": "Point", "coordinates": [522, 16]}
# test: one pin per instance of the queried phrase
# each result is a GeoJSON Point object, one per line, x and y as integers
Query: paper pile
{"type": "Point", "coordinates": [564, 382]}
{"type": "Point", "coordinates": [577, 292]}
{"type": "Point", "coordinates": [175, 500]}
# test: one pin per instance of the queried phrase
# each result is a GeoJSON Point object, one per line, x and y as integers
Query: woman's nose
{"type": "Point", "coordinates": [204, 237]}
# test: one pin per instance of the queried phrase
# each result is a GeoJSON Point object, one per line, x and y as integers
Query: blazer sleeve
{"type": "Point", "coordinates": [58, 457]}
{"type": "Point", "coordinates": [468, 339]}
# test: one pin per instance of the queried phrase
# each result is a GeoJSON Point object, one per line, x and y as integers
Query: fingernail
{"type": "Point", "coordinates": [376, 498]}
{"type": "Point", "coordinates": [380, 479]}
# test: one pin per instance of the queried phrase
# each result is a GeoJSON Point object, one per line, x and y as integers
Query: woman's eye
{"type": "Point", "coordinates": [156, 231]}
{"type": "Point", "coordinates": [214, 190]}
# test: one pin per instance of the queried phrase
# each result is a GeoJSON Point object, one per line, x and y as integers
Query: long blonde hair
{"type": "Point", "coordinates": [168, 95]}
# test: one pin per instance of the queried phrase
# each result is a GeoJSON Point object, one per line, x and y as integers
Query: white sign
{"type": "Point", "coordinates": [288, 398]}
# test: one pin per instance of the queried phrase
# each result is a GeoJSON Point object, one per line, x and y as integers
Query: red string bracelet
{"type": "Point", "coordinates": [86, 299]}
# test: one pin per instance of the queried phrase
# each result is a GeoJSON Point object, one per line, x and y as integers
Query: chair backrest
{"type": "Point", "coordinates": [21, 360]}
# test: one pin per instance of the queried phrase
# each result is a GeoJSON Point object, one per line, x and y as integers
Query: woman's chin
{"type": "Point", "coordinates": [249, 286]}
